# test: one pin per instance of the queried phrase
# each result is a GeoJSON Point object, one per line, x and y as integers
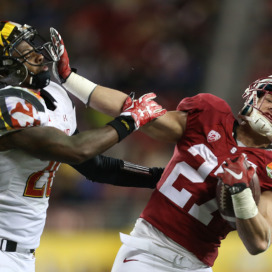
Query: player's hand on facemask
{"type": "Point", "coordinates": [142, 110]}
{"type": "Point", "coordinates": [61, 68]}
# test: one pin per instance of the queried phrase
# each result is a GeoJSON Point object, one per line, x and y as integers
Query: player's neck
{"type": "Point", "coordinates": [250, 138]}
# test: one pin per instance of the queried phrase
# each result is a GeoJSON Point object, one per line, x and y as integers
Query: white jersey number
{"type": "Point", "coordinates": [202, 213]}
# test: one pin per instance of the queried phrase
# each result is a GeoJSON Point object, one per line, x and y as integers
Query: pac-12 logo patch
{"type": "Point", "coordinates": [213, 136]}
{"type": "Point", "coordinates": [269, 170]}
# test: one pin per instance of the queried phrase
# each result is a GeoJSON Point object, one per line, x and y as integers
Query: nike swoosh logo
{"type": "Point", "coordinates": [237, 176]}
{"type": "Point", "coordinates": [129, 260]}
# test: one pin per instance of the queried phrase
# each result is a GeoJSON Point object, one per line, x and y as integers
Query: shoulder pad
{"type": "Point", "coordinates": [21, 108]}
{"type": "Point", "coordinates": [203, 102]}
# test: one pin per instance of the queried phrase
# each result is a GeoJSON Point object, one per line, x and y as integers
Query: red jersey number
{"type": "Point", "coordinates": [31, 190]}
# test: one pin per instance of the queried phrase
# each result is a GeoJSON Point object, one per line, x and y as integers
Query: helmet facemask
{"type": "Point", "coordinates": [30, 35]}
{"type": "Point", "coordinates": [254, 96]}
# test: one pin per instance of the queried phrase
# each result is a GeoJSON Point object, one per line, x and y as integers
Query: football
{"type": "Point", "coordinates": [224, 200]}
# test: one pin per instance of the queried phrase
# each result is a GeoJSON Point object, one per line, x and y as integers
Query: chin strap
{"type": "Point", "coordinates": [260, 123]}
{"type": "Point", "coordinates": [39, 80]}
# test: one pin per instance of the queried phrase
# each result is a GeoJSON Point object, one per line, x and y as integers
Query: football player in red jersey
{"type": "Point", "coordinates": [38, 131]}
{"type": "Point", "coordinates": [181, 228]}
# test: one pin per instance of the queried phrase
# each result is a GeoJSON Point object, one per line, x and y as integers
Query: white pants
{"type": "Point", "coordinates": [136, 260]}
{"type": "Point", "coordinates": [149, 250]}
{"type": "Point", "coordinates": [17, 262]}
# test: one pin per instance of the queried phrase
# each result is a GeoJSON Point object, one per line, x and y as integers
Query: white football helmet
{"type": "Point", "coordinates": [254, 95]}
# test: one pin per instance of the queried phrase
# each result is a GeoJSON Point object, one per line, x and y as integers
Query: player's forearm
{"type": "Point", "coordinates": [167, 128]}
{"type": "Point", "coordinates": [251, 225]}
{"type": "Point", "coordinates": [81, 147]}
{"type": "Point", "coordinates": [107, 101]}
{"type": "Point", "coordinates": [86, 145]}
{"type": "Point", "coordinates": [255, 233]}
{"type": "Point", "coordinates": [118, 172]}
{"type": "Point", "coordinates": [48, 143]}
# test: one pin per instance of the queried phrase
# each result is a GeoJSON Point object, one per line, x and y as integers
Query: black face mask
{"type": "Point", "coordinates": [40, 80]}
{"type": "Point", "coordinates": [12, 71]}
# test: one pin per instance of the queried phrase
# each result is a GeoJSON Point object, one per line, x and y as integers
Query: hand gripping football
{"type": "Point", "coordinates": [232, 176]}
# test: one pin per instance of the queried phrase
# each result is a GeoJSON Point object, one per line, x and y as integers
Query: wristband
{"type": "Point", "coordinates": [244, 204]}
{"type": "Point", "coordinates": [237, 188]}
{"type": "Point", "coordinates": [79, 86]}
{"type": "Point", "coordinates": [124, 125]}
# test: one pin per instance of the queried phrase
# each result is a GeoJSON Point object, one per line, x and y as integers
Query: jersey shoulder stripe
{"type": "Point", "coordinates": [21, 108]}
{"type": "Point", "coordinates": [25, 94]}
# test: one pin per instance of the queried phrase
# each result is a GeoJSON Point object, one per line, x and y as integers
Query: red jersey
{"type": "Point", "coordinates": [183, 206]}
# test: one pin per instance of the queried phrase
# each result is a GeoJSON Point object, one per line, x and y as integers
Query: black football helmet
{"type": "Point", "coordinates": [12, 69]}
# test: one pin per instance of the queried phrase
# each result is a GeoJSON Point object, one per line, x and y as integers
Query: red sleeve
{"type": "Point", "coordinates": [203, 102]}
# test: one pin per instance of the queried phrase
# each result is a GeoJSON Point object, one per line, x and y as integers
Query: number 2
{"type": "Point", "coordinates": [202, 213]}
{"type": "Point", "coordinates": [32, 191]}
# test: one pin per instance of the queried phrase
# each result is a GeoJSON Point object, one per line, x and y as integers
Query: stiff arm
{"type": "Point", "coordinates": [168, 128]}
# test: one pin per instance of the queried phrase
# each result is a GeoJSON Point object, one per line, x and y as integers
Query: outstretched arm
{"type": "Point", "coordinates": [105, 100]}
{"type": "Point", "coordinates": [48, 143]}
{"type": "Point", "coordinates": [170, 128]}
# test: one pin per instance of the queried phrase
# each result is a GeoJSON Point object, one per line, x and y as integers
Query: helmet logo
{"type": "Point", "coordinates": [269, 170]}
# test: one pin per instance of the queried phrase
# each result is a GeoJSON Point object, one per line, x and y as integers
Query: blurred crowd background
{"type": "Point", "coordinates": [176, 48]}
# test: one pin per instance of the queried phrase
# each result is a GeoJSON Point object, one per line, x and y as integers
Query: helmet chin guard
{"type": "Point", "coordinates": [259, 123]}
{"type": "Point", "coordinates": [251, 112]}
{"type": "Point", "coordinates": [39, 80]}
{"type": "Point", "coordinates": [12, 71]}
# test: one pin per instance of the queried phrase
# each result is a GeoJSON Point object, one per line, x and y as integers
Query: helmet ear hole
{"type": "Point", "coordinates": [12, 71]}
